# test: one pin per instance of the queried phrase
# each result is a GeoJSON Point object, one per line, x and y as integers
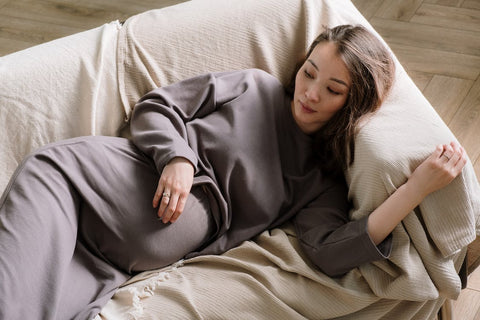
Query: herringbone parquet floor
{"type": "Point", "coordinates": [437, 41]}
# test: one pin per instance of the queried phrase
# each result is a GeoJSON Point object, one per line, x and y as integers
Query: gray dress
{"type": "Point", "coordinates": [76, 219]}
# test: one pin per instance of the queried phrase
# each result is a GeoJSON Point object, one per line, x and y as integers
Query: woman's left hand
{"type": "Point", "coordinates": [173, 189]}
{"type": "Point", "coordinates": [434, 173]}
{"type": "Point", "coordinates": [439, 169]}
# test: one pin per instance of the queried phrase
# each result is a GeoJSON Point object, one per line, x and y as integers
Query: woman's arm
{"type": "Point", "coordinates": [336, 244]}
{"type": "Point", "coordinates": [437, 171]}
{"type": "Point", "coordinates": [159, 128]}
{"type": "Point", "coordinates": [158, 123]}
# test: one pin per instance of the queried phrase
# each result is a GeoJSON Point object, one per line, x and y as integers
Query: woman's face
{"type": "Point", "coordinates": [321, 88]}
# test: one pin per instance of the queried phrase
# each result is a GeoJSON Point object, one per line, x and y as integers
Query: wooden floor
{"type": "Point", "coordinates": [437, 41]}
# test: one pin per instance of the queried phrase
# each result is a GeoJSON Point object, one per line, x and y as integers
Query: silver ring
{"type": "Point", "coordinates": [166, 195]}
{"type": "Point", "coordinates": [446, 156]}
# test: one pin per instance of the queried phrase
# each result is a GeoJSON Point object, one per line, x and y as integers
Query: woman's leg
{"type": "Point", "coordinates": [39, 254]}
{"type": "Point", "coordinates": [76, 221]}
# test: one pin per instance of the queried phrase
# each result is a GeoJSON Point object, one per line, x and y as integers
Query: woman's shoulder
{"type": "Point", "coordinates": [262, 76]}
{"type": "Point", "coordinates": [250, 82]}
{"type": "Point", "coordinates": [265, 82]}
{"type": "Point", "coordinates": [254, 75]}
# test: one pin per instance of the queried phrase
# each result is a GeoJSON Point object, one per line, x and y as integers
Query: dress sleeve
{"type": "Point", "coordinates": [159, 120]}
{"type": "Point", "coordinates": [158, 124]}
{"type": "Point", "coordinates": [333, 242]}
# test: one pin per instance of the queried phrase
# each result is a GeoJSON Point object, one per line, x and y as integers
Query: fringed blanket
{"type": "Point", "coordinates": [267, 278]}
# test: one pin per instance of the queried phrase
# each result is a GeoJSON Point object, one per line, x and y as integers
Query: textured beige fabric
{"type": "Point", "coordinates": [390, 145]}
{"type": "Point", "coordinates": [163, 46]}
{"type": "Point", "coordinates": [268, 278]}
{"type": "Point", "coordinates": [58, 90]}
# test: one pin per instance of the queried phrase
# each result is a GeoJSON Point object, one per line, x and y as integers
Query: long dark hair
{"type": "Point", "coordinates": [372, 72]}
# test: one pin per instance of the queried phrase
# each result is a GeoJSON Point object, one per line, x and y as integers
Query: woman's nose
{"type": "Point", "coordinates": [312, 95]}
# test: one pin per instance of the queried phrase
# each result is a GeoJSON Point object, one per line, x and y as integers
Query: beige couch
{"type": "Point", "coordinates": [88, 83]}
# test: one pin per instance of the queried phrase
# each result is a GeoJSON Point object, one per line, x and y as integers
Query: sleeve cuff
{"type": "Point", "coordinates": [383, 249]}
{"type": "Point", "coordinates": [186, 154]}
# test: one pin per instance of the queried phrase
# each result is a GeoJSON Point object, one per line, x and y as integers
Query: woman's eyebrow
{"type": "Point", "coordinates": [333, 79]}
{"type": "Point", "coordinates": [313, 64]}
{"type": "Point", "coordinates": [339, 81]}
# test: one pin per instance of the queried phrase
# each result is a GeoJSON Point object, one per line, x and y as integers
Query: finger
{"type": "Point", "coordinates": [172, 205]}
{"type": "Point", "coordinates": [462, 160]}
{"type": "Point", "coordinates": [437, 154]}
{"type": "Point", "coordinates": [439, 149]}
{"type": "Point", "coordinates": [180, 206]}
{"type": "Point", "coordinates": [448, 152]}
{"type": "Point", "coordinates": [164, 201]}
{"type": "Point", "coordinates": [457, 153]}
{"type": "Point", "coordinates": [455, 145]}
{"type": "Point", "coordinates": [158, 195]}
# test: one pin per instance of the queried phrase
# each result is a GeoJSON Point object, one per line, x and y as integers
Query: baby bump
{"type": "Point", "coordinates": [138, 241]}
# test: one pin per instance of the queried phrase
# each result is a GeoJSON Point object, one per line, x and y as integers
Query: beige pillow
{"type": "Point", "coordinates": [391, 145]}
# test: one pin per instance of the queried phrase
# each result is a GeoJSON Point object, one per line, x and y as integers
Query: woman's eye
{"type": "Point", "coordinates": [308, 74]}
{"type": "Point", "coordinates": [333, 91]}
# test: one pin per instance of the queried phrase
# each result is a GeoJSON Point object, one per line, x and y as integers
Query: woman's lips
{"type": "Point", "coordinates": [306, 109]}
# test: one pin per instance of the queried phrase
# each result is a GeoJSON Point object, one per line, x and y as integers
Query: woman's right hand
{"type": "Point", "coordinates": [173, 189]}
{"type": "Point", "coordinates": [439, 169]}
